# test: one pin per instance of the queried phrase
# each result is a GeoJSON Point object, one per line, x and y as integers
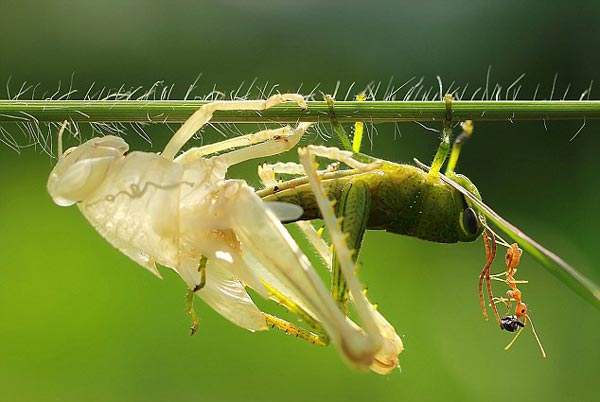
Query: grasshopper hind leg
{"type": "Point", "coordinates": [283, 267]}
{"type": "Point", "coordinates": [385, 344]}
{"type": "Point", "coordinates": [355, 202]}
{"type": "Point", "coordinates": [295, 330]}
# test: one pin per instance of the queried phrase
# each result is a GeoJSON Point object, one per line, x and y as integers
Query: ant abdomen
{"type": "Point", "coordinates": [510, 323]}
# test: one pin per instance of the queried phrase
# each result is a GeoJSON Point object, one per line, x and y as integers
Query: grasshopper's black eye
{"type": "Point", "coordinates": [470, 221]}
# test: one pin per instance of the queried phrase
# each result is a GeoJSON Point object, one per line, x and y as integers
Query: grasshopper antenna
{"type": "Point", "coordinates": [60, 137]}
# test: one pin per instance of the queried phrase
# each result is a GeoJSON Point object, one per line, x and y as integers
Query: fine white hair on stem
{"type": "Point", "coordinates": [553, 85]}
{"type": "Point", "coordinates": [578, 131]}
{"type": "Point", "coordinates": [30, 133]}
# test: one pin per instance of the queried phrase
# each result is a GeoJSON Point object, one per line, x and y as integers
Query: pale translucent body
{"type": "Point", "coordinates": [173, 211]}
{"type": "Point", "coordinates": [381, 337]}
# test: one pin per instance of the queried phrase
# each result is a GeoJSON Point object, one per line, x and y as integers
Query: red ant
{"type": "Point", "coordinates": [511, 322]}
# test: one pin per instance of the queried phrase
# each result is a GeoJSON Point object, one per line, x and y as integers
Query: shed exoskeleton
{"type": "Point", "coordinates": [182, 213]}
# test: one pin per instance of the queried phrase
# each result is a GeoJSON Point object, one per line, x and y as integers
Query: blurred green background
{"type": "Point", "coordinates": [81, 322]}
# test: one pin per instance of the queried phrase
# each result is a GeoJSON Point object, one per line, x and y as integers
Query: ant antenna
{"type": "Point", "coordinates": [511, 322]}
{"type": "Point", "coordinates": [535, 334]}
{"type": "Point", "coordinates": [502, 241]}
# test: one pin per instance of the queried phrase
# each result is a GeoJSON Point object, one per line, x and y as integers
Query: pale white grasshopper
{"type": "Point", "coordinates": [181, 212]}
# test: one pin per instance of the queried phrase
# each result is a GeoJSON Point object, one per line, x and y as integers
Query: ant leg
{"type": "Point", "coordinates": [485, 274]}
{"type": "Point", "coordinates": [504, 300]}
{"type": "Point", "coordinates": [499, 277]}
{"type": "Point", "coordinates": [491, 297]}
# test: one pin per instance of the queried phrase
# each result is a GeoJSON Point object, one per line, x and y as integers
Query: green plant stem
{"type": "Point", "coordinates": [176, 111]}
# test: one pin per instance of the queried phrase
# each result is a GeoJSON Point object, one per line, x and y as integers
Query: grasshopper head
{"type": "Point", "coordinates": [81, 170]}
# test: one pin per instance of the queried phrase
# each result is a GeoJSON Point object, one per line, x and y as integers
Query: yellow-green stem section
{"type": "Point", "coordinates": [177, 111]}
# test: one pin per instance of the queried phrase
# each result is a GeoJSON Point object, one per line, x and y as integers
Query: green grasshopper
{"type": "Point", "coordinates": [416, 201]}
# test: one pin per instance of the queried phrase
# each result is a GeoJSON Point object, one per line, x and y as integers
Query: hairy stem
{"type": "Point", "coordinates": [176, 111]}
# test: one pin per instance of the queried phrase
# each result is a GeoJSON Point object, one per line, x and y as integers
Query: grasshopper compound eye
{"type": "Point", "coordinates": [470, 221]}
{"type": "Point", "coordinates": [511, 323]}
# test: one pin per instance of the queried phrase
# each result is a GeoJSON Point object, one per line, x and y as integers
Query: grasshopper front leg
{"type": "Point", "coordinates": [353, 209]}
{"type": "Point", "coordinates": [189, 297]}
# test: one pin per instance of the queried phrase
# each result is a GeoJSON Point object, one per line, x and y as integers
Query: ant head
{"type": "Point", "coordinates": [510, 323]}
{"type": "Point", "coordinates": [521, 310]}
